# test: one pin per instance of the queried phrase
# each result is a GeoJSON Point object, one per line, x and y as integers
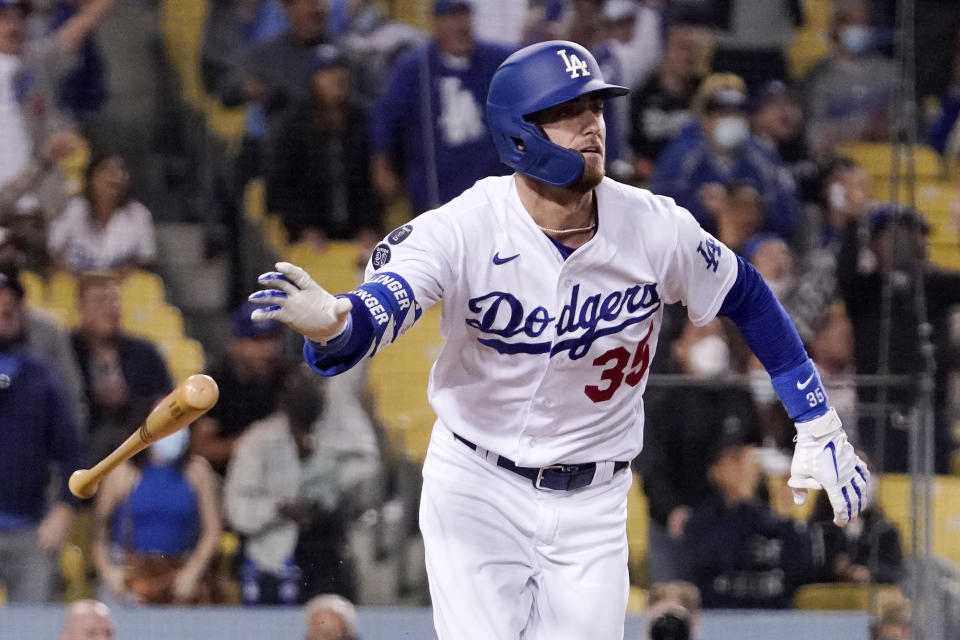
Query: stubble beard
{"type": "Point", "coordinates": [593, 173]}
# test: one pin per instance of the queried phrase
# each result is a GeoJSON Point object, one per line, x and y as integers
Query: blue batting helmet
{"type": "Point", "coordinates": [532, 79]}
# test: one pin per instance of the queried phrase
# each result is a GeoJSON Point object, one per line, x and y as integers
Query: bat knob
{"type": "Point", "coordinates": [80, 484]}
{"type": "Point", "coordinates": [200, 391]}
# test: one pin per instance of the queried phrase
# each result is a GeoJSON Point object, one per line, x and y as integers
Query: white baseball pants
{"type": "Point", "coordinates": [508, 561]}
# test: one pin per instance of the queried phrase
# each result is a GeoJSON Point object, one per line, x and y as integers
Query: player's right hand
{"type": "Point", "coordinates": [296, 300]}
{"type": "Point", "coordinates": [824, 458]}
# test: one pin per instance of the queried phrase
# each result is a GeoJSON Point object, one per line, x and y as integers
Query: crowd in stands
{"type": "Point", "coordinates": [348, 112]}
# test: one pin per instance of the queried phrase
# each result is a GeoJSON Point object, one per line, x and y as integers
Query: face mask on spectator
{"type": "Point", "coordinates": [731, 132]}
{"type": "Point", "coordinates": [856, 38]}
{"type": "Point", "coordinates": [166, 450]}
{"type": "Point", "coordinates": [709, 357]}
{"type": "Point", "coordinates": [837, 195]}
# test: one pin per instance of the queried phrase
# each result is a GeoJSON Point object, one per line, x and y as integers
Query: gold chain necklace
{"type": "Point", "coordinates": [577, 230]}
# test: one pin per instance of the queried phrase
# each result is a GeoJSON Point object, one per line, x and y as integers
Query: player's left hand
{"type": "Point", "coordinates": [299, 302]}
{"type": "Point", "coordinates": [824, 459]}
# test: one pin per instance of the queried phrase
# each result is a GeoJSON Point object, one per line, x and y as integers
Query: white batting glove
{"type": "Point", "coordinates": [824, 459]}
{"type": "Point", "coordinates": [300, 303]}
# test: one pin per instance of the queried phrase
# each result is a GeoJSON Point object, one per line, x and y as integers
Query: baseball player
{"type": "Point", "coordinates": [553, 281]}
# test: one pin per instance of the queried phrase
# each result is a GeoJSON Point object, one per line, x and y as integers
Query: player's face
{"type": "Point", "coordinates": [578, 125]}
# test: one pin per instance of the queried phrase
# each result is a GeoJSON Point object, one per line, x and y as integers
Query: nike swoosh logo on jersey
{"type": "Point", "coordinates": [803, 385]}
{"type": "Point", "coordinates": [498, 260]}
{"type": "Point", "coordinates": [833, 454]}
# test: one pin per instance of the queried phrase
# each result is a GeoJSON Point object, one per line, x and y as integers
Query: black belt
{"type": "Point", "coordinates": [558, 477]}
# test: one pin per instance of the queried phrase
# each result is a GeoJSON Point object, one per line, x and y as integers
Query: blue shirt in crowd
{"type": "Point", "coordinates": [688, 164]}
{"type": "Point", "coordinates": [36, 428]}
{"type": "Point", "coordinates": [438, 138]}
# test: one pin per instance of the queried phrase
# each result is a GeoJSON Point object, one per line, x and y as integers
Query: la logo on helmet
{"type": "Point", "coordinates": [575, 66]}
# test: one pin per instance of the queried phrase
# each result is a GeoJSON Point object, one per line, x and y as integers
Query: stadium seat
{"type": "Point", "coordinates": [160, 324]}
{"type": "Point", "coordinates": [894, 497]}
{"type": "Point", "coordinates": [637, 532]}
{"type": "Point", "coordinates": [34, 289]}
{"type": "Point", "coordinates": [398, 379]}
{"type": "Point", "coordinates": [255, 199]}
{"type": "Point", "coordinates": [61, 299]}
{"type": "Point", "coordinates": [184, 357]}
{"type": "Point", "coordinates": [142, 289]}
{"type": "Point", "coordinates": [181, 23]}
{"type": "Point", "coordinates": [876, 158]}
{"type": "Point", "coordinates": [845, 597]}
{"type": "Point", "coordinates": [335, 266]}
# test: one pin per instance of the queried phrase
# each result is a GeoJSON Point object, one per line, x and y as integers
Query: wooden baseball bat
{"type": "Point", "coordinates": [191, 399]}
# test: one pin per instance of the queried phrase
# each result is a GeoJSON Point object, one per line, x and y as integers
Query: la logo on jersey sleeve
{"type": "Point", "coordinates": [710, 250]}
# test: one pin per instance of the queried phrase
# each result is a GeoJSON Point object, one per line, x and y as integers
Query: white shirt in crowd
{"type": "Point", "coordinates": [128, 237]}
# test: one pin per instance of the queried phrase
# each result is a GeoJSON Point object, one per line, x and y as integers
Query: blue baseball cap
{"type": "Point", "coordinates": [444, 7]}
{"type": "Point", "coordinates": [246, 327]}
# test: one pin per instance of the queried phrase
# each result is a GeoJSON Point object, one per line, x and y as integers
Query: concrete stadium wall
{"type": "Point", "coordinates": [380, 623]}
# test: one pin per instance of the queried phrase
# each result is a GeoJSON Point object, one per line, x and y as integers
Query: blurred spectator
{"type": "Point", "coordinates": [249, 377]}
{"type": "Point", "coordinates": [104, 229]}
{"type": "Point", "coordinates": [124, 376]}
{"type": "Point", "coordinates": [429, 126]}
{"type": "Point", "coordinates": [752, 37]}
{"type": "Point", "coordinates": [330, 617]}
{"type": "Point", "coordinates": [850, 552]}
{"type": "Point", "coordinates": [83, 90]}
{"type": "Point", "coordinates": [631, 47]}
{"type": "Point", "coordinates": [804, 289]}
{"type": "Point", "coordinates": [717, 150]}
{"type": "Point", "coordinates": [660, 108]}
{"type": "Point", "coordinates": [619, 18]}
{"type": "Point", "coordinates": [739, 213]}
{"type": "Point", "coordinates": [673, 612]}
{"type": "Point", "coordinates": [849, 95]}
{"type": "Point", "coordinates": [40, 173]}
{"type": "Point", "coordinates": [44, 337]}
{"type": "Point", "coordinates": [889, 244]}
{"type": "Point", "coordinates": [157, 526]}
{"type": "Point", "coordinates": [583, 22]}
{"type": "Point", "coordinates": [87, 620]}
{"type": "Point", "coordinates": [682, 425]}
{"type": "Point", "coordinates": [319, 181]}
{"type": "Point", "coordinates": [894, 623]}
{"type": "Point", "coordinates": [233, 28]}
{"type": "Point", "coordinates": [281, 494]}
{"type": "Point", "coordinates": [944, 135]}
{"type": "Point", "coordinates": [28, 115]}
{"type": "Point", "coordinates": [24, 246]}
{"type": "Point", "coordinates": [274, 73]}
{"type": "Point", "coordinates": [776, 122]}
{"type": "Point", "coordinates": [846, 200]}
{"type": "Point", "coordinates": [832, 351]}
{"type": "Point", "coordinates": [501, 21]}
{"type": "Point", "coordinates": [37, 430]}
{"type": "Point", "coordinates": [370, 36]}
{"type": "Point", "coordinates": [230, 26]}
{"type": "Point", "coordinates": [738, 551]}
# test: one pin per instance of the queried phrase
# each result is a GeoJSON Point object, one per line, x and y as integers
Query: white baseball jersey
{"type": "Point", "coordinates": [545, 359]}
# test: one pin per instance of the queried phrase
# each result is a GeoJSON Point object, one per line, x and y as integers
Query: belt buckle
{"type": "Point", "coordinates": [562, 468]}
